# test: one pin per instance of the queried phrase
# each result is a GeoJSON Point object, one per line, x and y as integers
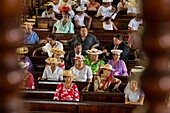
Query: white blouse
{"type": "Point", "coordinates": [108, 26]}
{"type": "Point", "coordinates": [80, 19]}
{"type": "Point", "coordinates": [55, 75]}
{"type": "Point", "coordinates": [55, 7]}
{"type": "Point", "coordinates": [82, 75]}
{"type": "Point", "coordinates": [103, 10]}
{"type": "Point", "coordinates": [134, 24]}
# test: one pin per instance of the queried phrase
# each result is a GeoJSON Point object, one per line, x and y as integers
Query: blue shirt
{"type": "Point", "coordinates": [31, 38]}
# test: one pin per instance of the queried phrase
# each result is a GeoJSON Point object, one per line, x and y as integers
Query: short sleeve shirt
{"type": "Point", "coordinates": [80, 19]}
{"type": "Point", "coordinates": [134, 24]}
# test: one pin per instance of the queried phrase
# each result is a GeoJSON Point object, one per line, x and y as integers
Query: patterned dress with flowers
{"type": "Point", "coordinates": [95, 67]}
{"type": "Point", "coordinates": [62, 93]}
{"type": "Point", "coordinates": [102, 84]}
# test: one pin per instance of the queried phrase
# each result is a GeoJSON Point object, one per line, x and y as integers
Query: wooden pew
{"type": "Point", "coordinates": [77, 107]}
{"type": "Point", "coordinates": [51, 85]}
{"type": "Point", "coordinates": [84, 96]}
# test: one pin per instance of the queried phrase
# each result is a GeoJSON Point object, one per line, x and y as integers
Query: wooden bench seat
{"type": "Point", "coordinates": [77, 107]}
{"type": "Point", "coordinates": [84, 96]}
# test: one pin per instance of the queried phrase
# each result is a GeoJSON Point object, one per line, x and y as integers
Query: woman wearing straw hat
{"type": "Point", "coordinates": [118, 65]}
{"type": "Point", "coordinates": [102, 82]}
{"type": "Point", "coordinates": [53, 71]}
{"type": "Point", "coordinates": [57, 54]}
{"type": "Point", "coordinates": [79, 18]}
{"type": "Point", "coordinates": [21, 51]}
{"type": "Point", "coordinates": [67, 91]}
{"type": "Point", "coordinates": [28, 79]}
{"type": "Point", "coordinates": [93, 60]}
{"type": "Point", "coordinates": [83, 72]}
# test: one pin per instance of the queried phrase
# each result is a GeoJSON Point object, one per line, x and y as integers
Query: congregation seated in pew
{"type": "Point", "coordinates": [67, 91]}
{"type": "Point", "coordinates": [83, 72]}
{"type": "Point", "coordinates": [53, 71]}
{"type": "Point", "coordinates": [20, 52]}
{"type": "Point", "coordinates": [27, 79]}
{"type": "Point", "coordinates": [48, 13]}
{"type": "Point", "coordinates": [103, 82]}
{"type": "Point", "coordinates": [117, 64]}
{"type": "Point", "coordinates": [93, 60]}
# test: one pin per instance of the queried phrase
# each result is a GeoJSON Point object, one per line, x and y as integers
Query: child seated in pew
{"type": "Point", "coordinates": [52, 72]}
{"type": "Point", "coordinates": [28, 79]}
{"type": "Point", "coordinates": [102, 82]}
{"type": "Point", "coordinates": [79, 18]}
{"type": "Point", "coordinates": [133, 93]}
{"type": "Point", "coordinates": [20, 52]}
{"type": "Point", "coordinates": [67, 91]}
{"type": "Point", "coordinates": [108, 24]}
{"type": "Point", "coordinates": [57, 53]}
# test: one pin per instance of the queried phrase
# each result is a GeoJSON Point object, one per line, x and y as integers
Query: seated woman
{"type": "Point", "coordinates": [118, 65]}
{"type": "Point", "coordinates": [28, 78]}
{"type": "Point", "coordinates": [92, 61]}
{"type": "Point", "coordinates": [79, 18]}
{"type": "Point", "coordinates": [67, 91]}
{"type": "Point", "coordinates": [83, 72]}
{"type": "Point", "coordinates": [21, 51]}
{"type": "Point", "coordinates": [48, 13]}
{"type": "Point", "coordinates": [64, 25]}
{"type": "Point", "coordinates": [102, 83]}
{"type": "Point", "coordinates": [133, 93]}
{"type": "Point", "coordinates": [53, 71]}
{"type": "Point", "coordinates": [108, 24]}
{"type": "Point", "coordinates": [57, 54]}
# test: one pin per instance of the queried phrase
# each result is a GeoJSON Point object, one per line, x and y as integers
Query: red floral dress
{"type": "Point", "coordinates": [62, 93]}
{"type": "Point", "coordinates": [103, 84]}
{"type": "Point", "coordinates": [28, 82]}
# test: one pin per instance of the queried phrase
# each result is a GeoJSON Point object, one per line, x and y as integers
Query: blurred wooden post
{"type": "Point", "coordinates": [156, 43]}
{"type": "Point", "coordinates": [9, 38]}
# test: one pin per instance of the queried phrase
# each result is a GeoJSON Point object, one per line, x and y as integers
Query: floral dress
{"type": "Point", "coordinates": [62, 93]}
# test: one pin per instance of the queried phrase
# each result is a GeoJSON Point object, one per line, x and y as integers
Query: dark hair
{"type": "Point", "coordinates": [52, 36]}
{"type": "Point", "coordinates": [139, 16]}
{"type": "Point", "coordinates": [115, 7]}
{"type": "Point", "coordinates": [107, 18]}
{"type": "Point", "coordinates": [77, 44]}
{"type": "Point", "coordinates": [119, 37]}
{"type": "Point", "coordinates": [49, 7]}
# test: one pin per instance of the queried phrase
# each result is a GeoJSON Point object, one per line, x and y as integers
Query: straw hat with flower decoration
{"type": "Point", "coordinates": [79, 57]}
{"type": "Point", "coordinates": [94, 51]}
{"type": "Point", "coordinates": [107, 66]}
{"type": "Point", "coordinates": [22, 50]}
{"type": "Point", "coordinates": [67, 73]}
{"type": "Point", "coordinates": [58, 51]}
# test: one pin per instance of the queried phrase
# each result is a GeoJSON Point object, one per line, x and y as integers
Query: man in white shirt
{"type": "Point", "coordinates": [55, 5]}
{"type": "Point", "coordinates": [134, 23]}
{"type": "Point", "coordinates": [53, 71]}
{"type": "Point", "coordinates": [52, 43]}
{"type": "Point", "coordinates": [122, 5]}
{"type": "Point", "coordinates": [48, 13]}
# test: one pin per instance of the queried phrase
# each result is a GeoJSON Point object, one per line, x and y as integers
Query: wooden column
{"type": "Point", "coordinates": [10, 75]}
{"type": "Point", "coordinates": [156, 43]}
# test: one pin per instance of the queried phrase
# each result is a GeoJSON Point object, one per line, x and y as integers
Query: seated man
{"type": "Point", "coordinates": [30, 36]}
{"type": "Point", "coordinates": [122, 5]}
{"type": "Point", "coordinates": [48, 13]}
{"type": "Point", "coordinates": [87, 41]}
{"type": "Point", "coordinates": [134, 23]}
{"type": "Point", "coordinates": [71, 54]}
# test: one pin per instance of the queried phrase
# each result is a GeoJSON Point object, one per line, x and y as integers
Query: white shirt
{"type": "Point", "coordinates": [47, 48]}
{"type": "Point", "coordinates": [108, 26]}
{"type": "Point", "coordinates": [80, 19]}
{"type": "Point", "coordinates": [134, 24]}
{"type": "Point", "coordinates": [119, 5]}
{"type": "Point", "coordinates": [55, 75]}
{"type": "Point", "coordinates": [102, 10]}
{"type": "Point", "coordinates": [45, 14]}
{"type": "Point", "coordinates": [82, 75]}
{"type": "Point", "coordinates": [133, 10]}
{"type": "Point", "coordinates": [55, 7]}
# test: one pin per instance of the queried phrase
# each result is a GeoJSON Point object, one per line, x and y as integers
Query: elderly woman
{"type": "Point", "coordinates": [64, 25]}
{"type": "Point", "coordinates": [83, 72]}
{"type": "Point", "coordinates": [21, 51]}
{"type": "Point", "coordinates": [118, 65]}
{"type": "Point", "coordinates": [28, 78]}
{"type": "Point", "coordinates": [93, 60]}
{"type": "Point", "coordinates": [102, 83]}
{"type": "Point", "coordinates": [133, 93]}
{"type": "Point", "coordinates": [53, 71]}
{"type": "Point", "coordinates": [67, 91]}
